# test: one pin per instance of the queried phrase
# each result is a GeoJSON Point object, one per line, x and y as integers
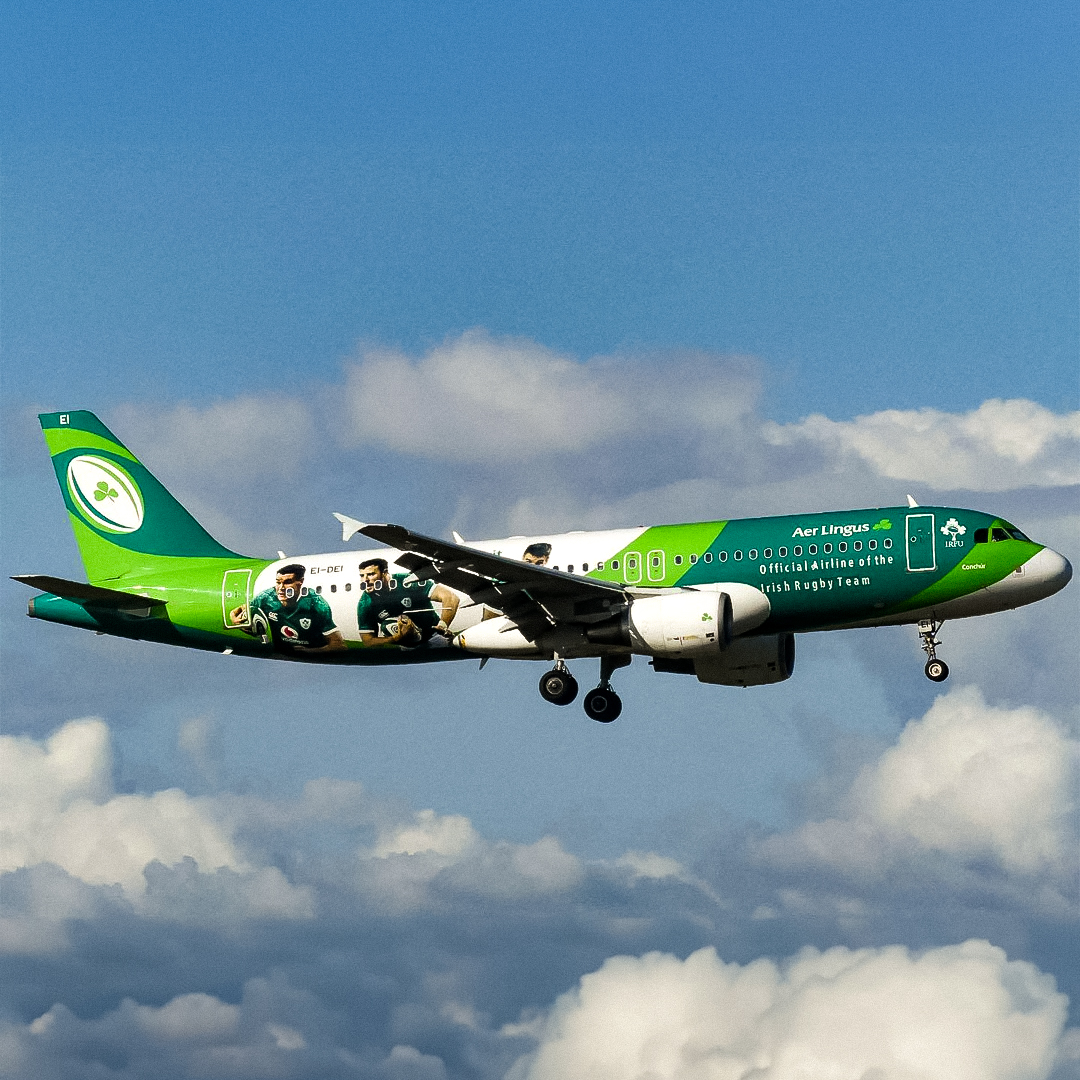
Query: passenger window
{"type": "Point", "coordinates": [723, 556]}
{"type": "Point", "coordinates": [569, 568]}
{"type": "Point", "coordinates": [887, 542]}
{"type": "Point", "coordinates": [857, 545]}
{"type": "Point", "coordinates": [841, 546]}
{"type": "Point", "coordinates": [318, 589]}
{"type": "Point", "coordinates": [767, 553]}
{"type": "Point", "coordinates": [333, 588]}
{"type": "Point", "coordinates": [797, 550]}
{"type": "Point", "coordinates": [303, 590]}
{"type": "Point", "coordinates": [600, 565]}
{"type": "Point", "coordinates": [708, 556]}
{"type": "Point", "coordinates": [782, 553]}
{"type": "Point", "coordinates": [693, 559]}
{"type": "Point", "coordinates": [348, 586]}
{"type": "Point", "coordinates": [614, 564]}
{"type": "Point", "coordinates": [999, 534]}
{"type": "Point", "coordinates": [812, 549]}
{"type": "Point", "coordinates": [656, 560]}
{"type": "Point", "coordinates": [827, 548]}
{"type": "Point", "coordinates": [738, 556]}
{"type": "Point", "coordinates": [752, 553]}
{"type": "Point", "coordinates": [584, 567]}
{"type": "Point", "coordinates": [872, 545]}
{"type": "Point", "coordinates": [678, 560]}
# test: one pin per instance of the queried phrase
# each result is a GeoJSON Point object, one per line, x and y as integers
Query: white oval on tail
{"type": "Point", "coordinates": [104, 494]}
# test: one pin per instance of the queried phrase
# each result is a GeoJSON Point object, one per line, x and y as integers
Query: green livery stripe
{"type": "Point", "coordinates": [60, 439]}
{"type": "Point", "coordinates": [983, 565]}
{"type": "Point", "coordinates": [650, 559]}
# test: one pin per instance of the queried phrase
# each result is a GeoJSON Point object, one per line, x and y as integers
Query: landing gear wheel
{"type": "Point", "coordinates": [558, 686]}
{"type": "Point", "coordinates": [603, 704]}
{"type": "Point", "coordinates": [936, 670]}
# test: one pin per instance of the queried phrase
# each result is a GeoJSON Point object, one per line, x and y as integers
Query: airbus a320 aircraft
{"type": "Point", "coordinates": [722, 600]}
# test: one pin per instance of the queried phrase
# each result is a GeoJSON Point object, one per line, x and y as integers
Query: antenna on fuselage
{"type": "Point", "coordinates": [911, 502]}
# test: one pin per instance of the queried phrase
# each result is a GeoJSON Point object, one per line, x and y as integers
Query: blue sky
{"type": "Point", "coordinates": [761, 259]}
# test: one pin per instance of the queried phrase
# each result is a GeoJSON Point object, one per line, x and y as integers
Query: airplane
{"type": "Point", "coordinates": [720, 600]}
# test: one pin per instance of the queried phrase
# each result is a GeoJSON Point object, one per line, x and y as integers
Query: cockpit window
{"type": "Point", "coordinates": [981, 536]}
{"type": "Point", "coordinates": [998, 534]}
{"type": "Point", "coordinates": [1016, 534]}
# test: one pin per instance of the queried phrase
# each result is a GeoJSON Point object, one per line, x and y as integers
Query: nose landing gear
{"type": "Point", "coordinates": [936, 670]}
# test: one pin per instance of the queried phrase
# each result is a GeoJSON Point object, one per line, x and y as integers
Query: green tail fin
{"type": "Point", "coordinates": [123, 517]}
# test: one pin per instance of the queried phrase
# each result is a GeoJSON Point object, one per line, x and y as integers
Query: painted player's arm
{"type": "Point", "coordinates": [371, 640]}
{"type": "Point", "coordinates": [238, 615]}
{"type": "Point", "coordinates": [334, 641]}
{"type": "Point", "coordinates": [449, 601]}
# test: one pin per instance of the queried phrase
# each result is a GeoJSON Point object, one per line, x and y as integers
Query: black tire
{"type": "Point", "coordinates": [936, 670]}
{"type": "Point", "coordinates": [603, 705]}
{"type": "Point", "coordinates": [558, 687]}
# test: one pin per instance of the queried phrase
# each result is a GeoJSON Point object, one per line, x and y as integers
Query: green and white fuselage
{"type": "Point", "coordinates": [155, 574]}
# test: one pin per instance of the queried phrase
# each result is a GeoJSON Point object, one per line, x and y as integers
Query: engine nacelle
{"type": "Point", "coordinates": [753, 661]}
{"type": "Point", "coordinates": [686, 624]}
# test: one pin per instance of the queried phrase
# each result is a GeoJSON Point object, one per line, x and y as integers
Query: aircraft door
{"type": "Point", "coordinates": [921, 553]}
{"type": "Point", "coordinates": [632, 567]}
{"type": "Point", "coordinates": [236, 592]}
{"type": "Point", "coordinates": [655, 567]}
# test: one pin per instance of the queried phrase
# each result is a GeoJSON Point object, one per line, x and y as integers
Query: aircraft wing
{"type": "Point", "coordinates": [535, 598]}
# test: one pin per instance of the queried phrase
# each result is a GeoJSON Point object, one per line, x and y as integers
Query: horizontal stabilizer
{"type": "Point", "coordinates": [82, 593]}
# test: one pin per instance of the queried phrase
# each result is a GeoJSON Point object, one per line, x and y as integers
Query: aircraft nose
{"type": "Point", "coordinates": [1048, 571]}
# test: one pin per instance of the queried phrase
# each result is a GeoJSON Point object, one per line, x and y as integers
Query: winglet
{"type": "Point", "coordinates": [349, 526]}
{"type": "Point", "coordinates": [911, 502]}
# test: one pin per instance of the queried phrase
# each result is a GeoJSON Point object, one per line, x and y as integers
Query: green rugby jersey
{"type": "Point", "coordinates": [306, 623]}
{"type": "Point", "coordinates": [378, 609]}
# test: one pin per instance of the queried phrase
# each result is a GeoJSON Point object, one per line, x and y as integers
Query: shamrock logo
{"type": "Point", "coordinates": [103, 492]}
{"type": "Point", "coordinates": [953, 528]}
{"type": "Point", "coordinates": [706, 617]}
{"type": "Point", "coordinates": [884, 523]}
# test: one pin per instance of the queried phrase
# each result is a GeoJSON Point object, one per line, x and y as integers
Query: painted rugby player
{"type": "Point", "coordinates": [296, 619]}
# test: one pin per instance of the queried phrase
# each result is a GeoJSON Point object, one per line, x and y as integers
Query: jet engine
{"type": "Point", "coordinates": [752, 661]}
{"type": "Point", "coordinates": [688, 623]}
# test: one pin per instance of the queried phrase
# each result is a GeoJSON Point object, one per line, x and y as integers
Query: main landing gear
{"type": "Point", "coordinates": [601, 703]}
{"type": "Point", "coordinates": [936, 670]}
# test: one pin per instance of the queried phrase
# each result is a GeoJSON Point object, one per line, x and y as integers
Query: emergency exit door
{"type": "Point", "coordinates": [921, 548]}
{"type": "Point", "coordinates": [236, 592]}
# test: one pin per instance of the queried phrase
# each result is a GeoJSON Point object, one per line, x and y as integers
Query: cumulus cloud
{"type": "Point", "coordinates": [962, 1012]}
{"type": "Point", "coordinates": [968, 780]}
{"type": "Point", "coordinates": [415, 861]}
{"type": "Point", "coordinates": [57, 806]}
{"type": "Point", "coordinates": [476, 398]}
{"type": "Point", "coordinates": [1000, 446]}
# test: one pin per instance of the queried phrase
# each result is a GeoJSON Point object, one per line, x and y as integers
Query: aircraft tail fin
{"type": "Point", "coordinates": [123, 517]}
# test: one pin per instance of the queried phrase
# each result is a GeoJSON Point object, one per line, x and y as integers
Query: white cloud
{"type": "Point", "coordinates": [1000, 446]}
{"type": "Point", "coordinates": [962, 1012]}
{"type": "Point", "coordinates": [429, 851]}
{"type": "Point", "coordinates": [481, 399]}
{"type": "Point", "coordinates": [967, 780]}
{"type": "Point", "coordinates": [57, 806]}
{"type": "Point", "coordinates": [193, 1034]}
